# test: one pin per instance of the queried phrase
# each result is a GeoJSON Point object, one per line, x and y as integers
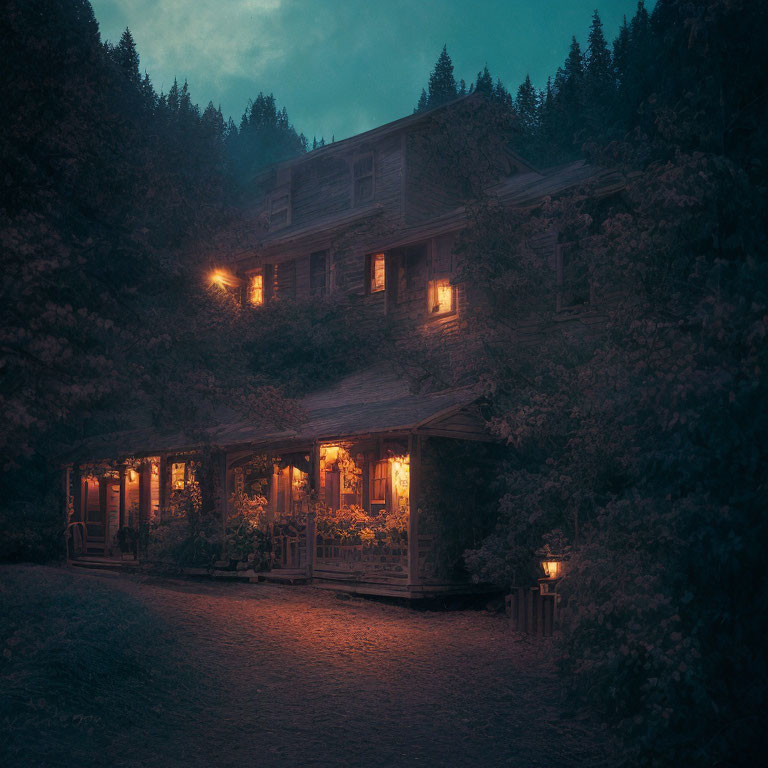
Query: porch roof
{"type": "Point", "coordinates": [376, 401]}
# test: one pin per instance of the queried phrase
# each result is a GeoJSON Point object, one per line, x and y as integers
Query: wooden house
{"type": "Point", "coordinates": [342, 495]}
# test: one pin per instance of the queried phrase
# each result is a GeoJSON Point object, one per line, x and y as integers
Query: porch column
{"type": "Point", "coordinates": [220, 490]}
{"type": "Point", "coordinates": [145, 493]}
{"type": "Point", "coordinates": [314, 487]}
{"type": "Point", "coordinates": [65, 488]}
{"type": "Point", "coordinates": [162, 472]}
{"type": "Point", "coordinates": [77, 494]}
{"type": "Point", "coordinates": [121, 505]}
{"type": "Point", "coordinates": [414, 500]}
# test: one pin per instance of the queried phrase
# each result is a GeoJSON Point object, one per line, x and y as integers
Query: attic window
{"type": "Point", "coordinates": [280, 207]}
{"type": "Point", "coordinates": [256, 289]}
{"type": "Point", "coordinates": [362, 176]}
{"type": "Point", "coordinates": [377, 272]}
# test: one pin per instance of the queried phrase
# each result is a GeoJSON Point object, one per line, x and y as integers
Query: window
{"type": "Point", "coordinates": [280, 207]}
{"type": "Point", "coordinates": [256, 289]}
{"type": "Point", "coordinates": [440, 296]}
{"type": "Point", "coordinates": [362, 179]}
{"type": "Point", "coordinates": [379, 479]}
{"type": "Point", "coordinates": [177, 476]}
{"type": "Point", "coordinates": [376, 272]}
{"type": "Point", "coordinates": [440, 292]}
{"type": "Point", "coordinates": [284, 280]}
{"type": "Point", "coordinates": [318, 273]}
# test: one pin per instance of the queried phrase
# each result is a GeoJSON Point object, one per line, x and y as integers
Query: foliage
{"type": "Point", "coordinates": [246, 527]}
{"type": "Point", "coordinates": [351, 524]}
{"type": "Point", "coordinates": [644, 441]}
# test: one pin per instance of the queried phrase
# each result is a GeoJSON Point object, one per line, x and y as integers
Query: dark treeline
{"type": "Point", "coordinates": [646, 452]}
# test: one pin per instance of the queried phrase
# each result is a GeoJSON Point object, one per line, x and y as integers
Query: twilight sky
{"type": "Point", "coordinates": [343, 66]}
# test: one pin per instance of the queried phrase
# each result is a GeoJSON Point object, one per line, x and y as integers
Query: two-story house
{"type": "Point", "coordinates": [376, 217]}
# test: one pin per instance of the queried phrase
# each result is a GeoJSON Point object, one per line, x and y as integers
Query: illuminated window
{"type": "Point", "coordinates": [379, 479]}
{"type": "Point", "coordinates": [362, 175]}
{"type": "Point", "coordinates": [377, 272]}
{"type": "Point", "coordinates": [178, 476]}
{"type": "Point", "coordinates": [256, 290]}
{"type": "Point", "coordinates": [440, 296]}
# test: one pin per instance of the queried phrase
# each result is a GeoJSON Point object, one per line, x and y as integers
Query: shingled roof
{"type": "Point", "coordinates": [375, 401]}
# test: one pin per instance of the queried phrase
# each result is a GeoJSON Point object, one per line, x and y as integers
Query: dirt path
{"type": "Point", "coordinates": [293, 676]}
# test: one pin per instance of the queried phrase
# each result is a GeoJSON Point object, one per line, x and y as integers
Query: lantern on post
{"type": "Point", "coordinates": [553, 562]}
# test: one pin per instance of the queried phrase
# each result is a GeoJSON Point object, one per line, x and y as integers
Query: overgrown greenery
{"type": "Point", "coordinates": [643, 437]}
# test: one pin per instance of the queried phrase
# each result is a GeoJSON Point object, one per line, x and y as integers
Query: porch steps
{"type": "Point", "coordinates": [95, 563]}
{"type": "Point", "coordinates": [285, 576]}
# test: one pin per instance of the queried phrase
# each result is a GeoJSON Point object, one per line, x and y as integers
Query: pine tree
{"type": "Point", "coordinates": [442, 83]}
{"type": "Point", "coordinates": [484, 82]}
{"type": "Point", "coordinates": [423, 104]}
{"type": "Point", "coordinates": [599, 83]}
{"type": "Point", "coordinates": [526, 106]}
{"type": "Point", "coordinates": [125, 55]}
{"type": "Point", "coordinates": [598, 66]}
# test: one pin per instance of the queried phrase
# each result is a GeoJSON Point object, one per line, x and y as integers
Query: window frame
{"type": "Point", "coordinates": [437, 274]}
{"type": "Point", "coordinates": [250, 277]}
{"type": "Point", "coordinates": [284, 190]}
{"type": "Point", "coordinates": [326, 287]}
{"type": "Point", "coordinates": [370, 272]}
{"type": "Point", "coordinates": [356, 202]}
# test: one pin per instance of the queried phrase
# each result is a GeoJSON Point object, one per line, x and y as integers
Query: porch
{"type": "Point", "coordinates": [349, 502]}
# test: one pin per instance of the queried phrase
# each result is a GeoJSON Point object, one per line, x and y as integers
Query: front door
{"type": "Point", "coordinates": [95, 518]}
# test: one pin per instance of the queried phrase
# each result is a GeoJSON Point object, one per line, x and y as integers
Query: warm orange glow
{"type": "Point", "coordinates": [223, 278]}
{"type": "Point", "coordinates": [378, 272]}
{"type": "Point", "coordinates": [131, 475]}
{"type": "Point", "coordinates": [401, 475]}
{"type": "Point", "coordinates": [177, 476]}
{"type": "Point", "coordinates": [256, 290]}
{"type": "Point", "coordinates": [440, 296]}
{"type": "Point", "coordinates": [552, 568]}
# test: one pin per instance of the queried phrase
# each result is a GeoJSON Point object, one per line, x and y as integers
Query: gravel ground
{"type": "Point", "coordinates": [295, 676]}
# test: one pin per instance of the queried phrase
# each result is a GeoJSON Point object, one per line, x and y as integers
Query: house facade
{"type": "Point", "coordinates": [339, 500]}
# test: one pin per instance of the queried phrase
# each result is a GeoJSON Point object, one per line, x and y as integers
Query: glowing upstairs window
{"type": "Point", "coordinates": [440, 296]}
{"type": "Point", "coordinates": [378, 273]}
{"type": "Point", "coordinates": [256, 290]}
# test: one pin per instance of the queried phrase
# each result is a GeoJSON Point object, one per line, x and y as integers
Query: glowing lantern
{"type": "Point", "coordinates": [222, 278]}
{"type": "Point", "coordinates": [131, 475]}
{"type": "Point", "coordinates": [553, 569]}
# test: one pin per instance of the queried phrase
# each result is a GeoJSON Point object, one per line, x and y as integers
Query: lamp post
{"type": "Point", "coordinates": [554, 569]}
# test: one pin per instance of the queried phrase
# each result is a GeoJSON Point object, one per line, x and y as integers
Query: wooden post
{"type": "Point", "coordinates": [414, 500]}
{"type": "Point", "coordinates": [121, 506]}
{"type": "Point", "coordinates": [219, 459]}
{"type": "Point", "coordinates": [540, 614]}
{"type": "Point", "coordinates": [162, 472]}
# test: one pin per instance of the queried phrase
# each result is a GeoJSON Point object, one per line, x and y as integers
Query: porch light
{"type": "Point", "coordinates": [223, 278]}
{"type": "Point", "coordinates": [131, 475]}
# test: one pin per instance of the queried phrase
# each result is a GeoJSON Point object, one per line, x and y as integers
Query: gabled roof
{"type": "Point", "coordinates": [374, 401]}
{"type": "Point", "coordinates": [375, 134]}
